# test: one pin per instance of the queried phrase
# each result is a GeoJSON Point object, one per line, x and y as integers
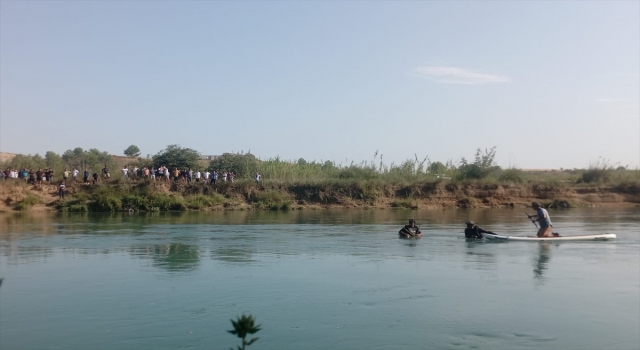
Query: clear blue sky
{"type": "Point", "coordinates": [550, 84]}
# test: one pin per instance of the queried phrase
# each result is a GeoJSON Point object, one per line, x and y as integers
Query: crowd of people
{"type": "Point", "coordinates": [162, 173]}
{"type": "Point", "coordinates": [188, 175]}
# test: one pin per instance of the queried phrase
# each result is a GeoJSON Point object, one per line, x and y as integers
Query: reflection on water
{"type": "Point", "coordinates": [232, 255]}
{"type": "Point", "coordinates": [542, 261]}
{"type": "Point", "coordinates": [172, 257]}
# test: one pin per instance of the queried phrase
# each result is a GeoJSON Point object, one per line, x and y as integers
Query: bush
{"type": "Point", "coordinates": [511, 175]}
{"type": "Point", "coordinates": [600, 172]}
{"type": "Point", "coordinates": [271, 199]}
{"type": "Point", "coordinates": [404, 203]}
{"type": "Point", "coordinates": [483, 165]}
{"type": "Point", "coordinates": [106, 199]}
{"type": "Point", "coordinates": [27, 202]}
{"type": "Point", "coordinates": [134, 201]}
{"type": "Point", "coordinates": [354, 172]}
{"type": "Point", "coordinates": [597, 175]}
{"type": "Point", "coordinates": [73, 206]}
{"type": "Point", "coordinates": [201, 201]}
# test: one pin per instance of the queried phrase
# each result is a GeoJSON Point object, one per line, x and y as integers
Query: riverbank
{"type": "Point", "coordinates": [122, 195]}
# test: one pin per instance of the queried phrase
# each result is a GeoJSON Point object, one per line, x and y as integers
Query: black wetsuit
{"type": "Point", "coordinates": [475, 232]}
{"type": "Point", "coordinates": [407, 229]}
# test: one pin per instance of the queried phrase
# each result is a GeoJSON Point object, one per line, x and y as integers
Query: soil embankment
{"type": "Point", "coordinates": [119, 195]}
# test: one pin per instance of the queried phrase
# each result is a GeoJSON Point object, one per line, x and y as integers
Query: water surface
{"type": "Point", "coordinates": [337, 279]}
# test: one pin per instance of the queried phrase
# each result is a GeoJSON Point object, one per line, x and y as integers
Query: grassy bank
{"type": "Point", "coordinates": [123, 195]}
{"type": "Point", "coordinates": [414, 183]}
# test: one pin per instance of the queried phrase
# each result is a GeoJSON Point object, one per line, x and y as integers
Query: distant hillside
{"type": "Point", "coordinates": [6, 157]}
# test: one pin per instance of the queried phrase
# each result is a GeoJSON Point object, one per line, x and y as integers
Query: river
{"type": "Point", "coordinates": [317, 279]}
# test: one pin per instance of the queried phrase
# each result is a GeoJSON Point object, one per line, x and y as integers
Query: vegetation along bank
{"type": "Point", "coordinates": [286, 185]}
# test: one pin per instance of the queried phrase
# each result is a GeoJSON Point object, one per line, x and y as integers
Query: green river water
{"type": "Point", "coordinates": [326, 279]}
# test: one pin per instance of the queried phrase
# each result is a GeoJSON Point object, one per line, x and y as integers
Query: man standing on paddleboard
{"type": "Point", "coordinates": [542, 218]}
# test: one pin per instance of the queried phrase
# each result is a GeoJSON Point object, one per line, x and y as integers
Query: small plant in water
{"type": "Point", "coordinates": [243, 326]}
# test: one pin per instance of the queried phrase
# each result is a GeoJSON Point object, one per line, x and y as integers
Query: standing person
{"type": "Point", "coordinates": [176, 175]}
{"type": "Point", "coordinates": [167, 173]}
{"type": "Point", "coordinates": [86, 176]}
{"type": "Point", "coordinates": [198, 175]}
{"type": "Point", "coordinates": [224, 176]}
{"type": "Point", "coordinates": [543, 219]}
{"type": "Point", "coordinates": [95, 178]}
{"type": "Point", "coordinates": [39, 175]}
{"type": "Point", "coordinates": [214, 177]}
{"type": "Point", "coordinates": [125, 172]}
{"type": "Point", "coordinates": [75, 173]}
{"type": "Point", "coordinates": [231, 176]}
{"type": "Point", "coordinates": [66, 174]}
{"type": "Point", "coordinates": [257, 177]}
{"type": "Point", "coordinates": [411, 230]}
{"type": "Point", "coordinates": [61, 189]}
{"type": "Point", "coordinates": [134, 173]}
{"type": "Point", "coordinates": [207, 175]}
{"type": "Point", "coordinates": [189, 175]}
{"type": "Point", "coordinates": [474, 231]}
{"type": "Point", "coordinates": [152, 173]}
{"type": "Point", "coordinates": [106, 172]}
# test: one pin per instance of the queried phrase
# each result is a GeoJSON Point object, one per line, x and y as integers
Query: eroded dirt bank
{"type": "Point", "coordinates": [144, 196]}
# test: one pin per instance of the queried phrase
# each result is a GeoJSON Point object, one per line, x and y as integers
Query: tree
{"type": "Point", "coordinates": [53, 160]}
{"type": "Point", "coordinates": [132, 151]}
{"type": "Point", "coordinates": [91, 159]}
{"type": "Point", "coordinates": [244, 165]}
{"type": "Point", "coordinates": [437, 168]}
{"type": "Point", "coordinates": [175, 156]}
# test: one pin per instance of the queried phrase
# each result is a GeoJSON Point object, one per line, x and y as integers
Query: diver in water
{"type": "Point", "coordinates": [411, 230]}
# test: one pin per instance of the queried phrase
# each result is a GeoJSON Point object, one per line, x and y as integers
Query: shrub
{"type": "Point", "coordinates": [134, 201]}
{"type": "Point", "coordinates": [599, 171]}
{"type": "Point", "coordinates": [271, 199]}
{"type": "Point", "coordinates": [511, 175]}
{"type": "Point", "coordinates": [201, 201]}
{"type": "Point", "coordinates": [354, 172]}
{"type": "Point", "coordinates": [404, 203]}
{"type": "Point", "coordinates": [27, 202]}
{"type": "Point", "coordinates": [73, 206]}
{"type": "Point", "coordinates": [483, 165]}
{"type": "Point", "coordinates": [106, 198]}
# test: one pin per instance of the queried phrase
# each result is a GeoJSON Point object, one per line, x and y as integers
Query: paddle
{"type": "Point", "coordinates": [536, 224]}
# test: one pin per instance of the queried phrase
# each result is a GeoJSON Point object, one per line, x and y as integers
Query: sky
{"type": "Point", "coordinates": [550, 84]}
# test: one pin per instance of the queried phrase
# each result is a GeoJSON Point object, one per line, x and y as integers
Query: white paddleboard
{"type": "Point", "coordinates": [602, 237]}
